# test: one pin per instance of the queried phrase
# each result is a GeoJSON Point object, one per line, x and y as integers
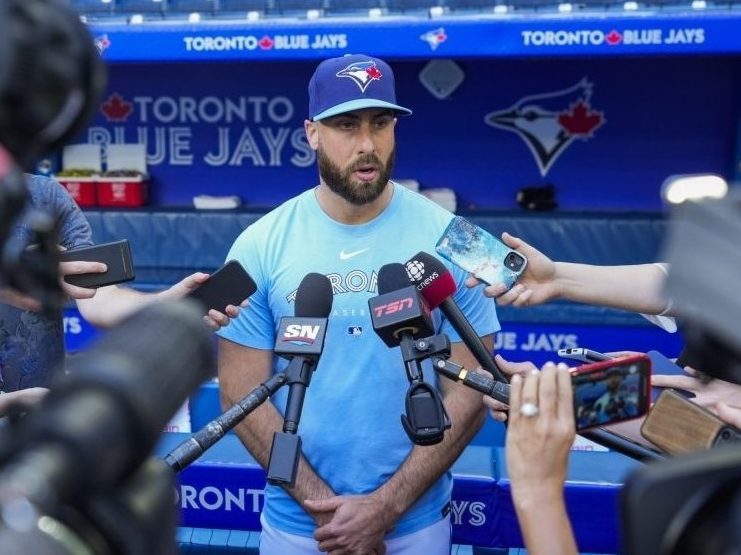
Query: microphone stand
{"type": "Point", "coordinates": [193, 447]}
{"type": "Point", "coordinates": [440, 347]}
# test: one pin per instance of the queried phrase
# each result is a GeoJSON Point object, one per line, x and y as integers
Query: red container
{"type": "Point", "coordinates": [122, 191]}
{"type": "Point", "coordinates": [82, 189]}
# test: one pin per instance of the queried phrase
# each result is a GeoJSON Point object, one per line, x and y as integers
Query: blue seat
{"type": "Point", "coordinates": [94, 7]}
{"type": "Point", "coordinates": [297, 7]}
{"type": "Point", "coordinates": [189, 6]}
{"type": "Point", "coordinates": [141, 6]}
{"type": "Point", "coordinates": [243, 6]}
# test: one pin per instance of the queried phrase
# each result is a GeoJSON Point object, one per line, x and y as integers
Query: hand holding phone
{"type": "Point", "coordinates": [481, 254]}
{"type": "Point", "coordinates": [230, 284]}
{"type": "Point", "coordinates": [678, 425]}
{"type": "Point", "coordinates": [611, 391]}
{"type": "Point", "coordinates": [116, 256]}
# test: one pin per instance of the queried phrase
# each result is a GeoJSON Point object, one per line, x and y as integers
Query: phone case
{"type": "Point", "coordinates": [601, 400]}
{"type": "Point", "coordinates": [230, 284]}
{"type": "Point", "coordinates": [677, 425]}
{"type": "Point", "coordinates": [478, 252]}
{"type": "Point", "coordinates": [115, 255]}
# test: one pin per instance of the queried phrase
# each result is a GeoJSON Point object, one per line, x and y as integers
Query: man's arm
{"type": "Point", "coordinates": [241, 369]}
{"type": "Point", "coordinates": [361, 521]}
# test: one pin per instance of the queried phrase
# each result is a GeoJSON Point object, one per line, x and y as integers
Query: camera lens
{"type": "Point", "coordinates": [513, 261]}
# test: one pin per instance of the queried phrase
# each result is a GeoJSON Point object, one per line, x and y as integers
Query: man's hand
{"type": "Point", "coordinates": [497, 409]}
{"type": "Point", "coordinates": [536, 285]}
{"type": "Point", "coordinates": [79, 267]}
{"type": "Point", "coordinates": [706, 394]}
{"type": "Point", "coordinates": [18, 300]}
{"type": "Point", "coordinates": [214, 319]}
{"type": "Point", "coordinates": [358, 524]}
{"type": "Point", "coordinates": [23, 399]}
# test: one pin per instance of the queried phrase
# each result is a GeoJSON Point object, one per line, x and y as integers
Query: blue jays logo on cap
{"type": "Point", "coordinates": [363, 73]}
{"type": "Point", "coordinates": [349, 83]}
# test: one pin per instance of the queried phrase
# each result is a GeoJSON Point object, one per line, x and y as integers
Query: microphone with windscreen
{"type": "Point", "coordinates": [401, 317]}
{"type": "Point", "coordinates": [300, 339]}
{"type": "Point", "coordinates": [437, 286]}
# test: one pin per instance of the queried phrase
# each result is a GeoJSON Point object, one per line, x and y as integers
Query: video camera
{"type": "Point", "coordinates": [51, 77]}
{"type": "Point", "coordinates": [692, 503]}
{"type": "Point", "coordinates": [76, 475]}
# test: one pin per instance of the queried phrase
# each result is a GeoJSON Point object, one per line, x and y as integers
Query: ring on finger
{"type": "Point", "coordinates": [529, 410]}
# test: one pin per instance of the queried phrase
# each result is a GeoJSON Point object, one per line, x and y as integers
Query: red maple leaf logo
{"type": "Point", "coordinates": [266, 43]}
{"type": "Point", "coordinates": [581, 121]}
{"type": "Point", "coordinates": [116, 108]}
{"type": "Point", "coordinates": [613, 37]}
{"type": "Point", "coordinates": [373, 72]}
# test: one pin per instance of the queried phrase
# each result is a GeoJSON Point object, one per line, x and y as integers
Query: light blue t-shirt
{"type": "Point", "coordinates": [350, 425]}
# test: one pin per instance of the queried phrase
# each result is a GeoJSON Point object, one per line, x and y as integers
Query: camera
{"type": "Point", "coordinates": [692, 503]}
{"type": "Point", "coordinates": [514, 261]}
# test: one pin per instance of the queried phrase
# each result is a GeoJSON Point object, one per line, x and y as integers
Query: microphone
{"type": "Point", "coordinates": [399, 317]}
{"type": "Point", "coordinates": [300, 339]}
{"type": "Point", "coordinates": [100, 422]}
{"type": "Point", "coordinates": [437, 285]}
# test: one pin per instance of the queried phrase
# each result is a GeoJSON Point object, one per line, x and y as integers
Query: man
{"type": "Point", "coordinates": [32, 345]}
{"type": "Point", "coordinates": [362, 487]}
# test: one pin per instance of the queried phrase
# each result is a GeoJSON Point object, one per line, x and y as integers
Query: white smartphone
{"type": "Point", "coordinates": [583, 355]}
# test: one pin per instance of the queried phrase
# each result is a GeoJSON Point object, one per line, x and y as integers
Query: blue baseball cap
{"type": "Point", "coordinates": [352, 82]}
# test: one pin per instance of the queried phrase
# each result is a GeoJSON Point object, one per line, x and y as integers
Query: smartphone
{"type": "Point", "coordinates": [230, 284]}
{"type": "Point", "coordinates": [480, 253]}
{"type": "Point", "coordinates": [677, 425]}
{"type": "Point", "coordinates": [611, 391]}
{"type": "Point", "coordinates": [116, 256]}
{"type": "Point", "coordinates": [583, 355]}
{"type": "Point", "coordinates": [663, 365]}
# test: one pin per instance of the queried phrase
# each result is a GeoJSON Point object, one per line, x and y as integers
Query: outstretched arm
{"type": "Point", "coordinates": [630, 287]}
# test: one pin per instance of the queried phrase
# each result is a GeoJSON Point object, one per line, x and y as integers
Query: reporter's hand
{"type": "Point", "coordinates": [77, 267]}
{"type": "Point", "coordinates": [214, 319]}
{"type": "Point", "coordinates": [537, 447]}
{"type": "Point", "coordinates": [18, 300]}
{"type": "Point", "coordinates": [536, 285]}
{"type": "Point", "coordinates": [497, 409]}
{"type": "Point", "coordinates": [729, 415]}
{"type": "Point", "coordinates": [707, 395]}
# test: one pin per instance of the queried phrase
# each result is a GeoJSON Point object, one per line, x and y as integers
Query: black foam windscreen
{"type": "Point", "coordinates": [51, 80]}
{"type": "Point", "coordinates": [314, 297]}
{"type": "Point", "coordinates": [392, 277]}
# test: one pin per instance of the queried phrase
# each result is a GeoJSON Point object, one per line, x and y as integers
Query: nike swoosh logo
{"type": "Point", "coordinates": [345, 255]}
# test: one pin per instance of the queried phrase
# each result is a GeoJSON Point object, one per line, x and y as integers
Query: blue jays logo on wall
{"type": "Point", "coordinates": [434, 38]}
{"type": "Point", "coordinates": [362, 73]}
{"type": "Point", "coordinates": [549, 122]}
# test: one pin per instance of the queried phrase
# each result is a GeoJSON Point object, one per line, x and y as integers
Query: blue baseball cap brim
{"type": "Point", "coordinates": [361, 104]}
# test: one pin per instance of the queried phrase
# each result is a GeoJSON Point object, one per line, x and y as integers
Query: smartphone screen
{"type": "Point", "coordinates": [480, 253]}
{"type": "Point", "coordinates": [611, 391]}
